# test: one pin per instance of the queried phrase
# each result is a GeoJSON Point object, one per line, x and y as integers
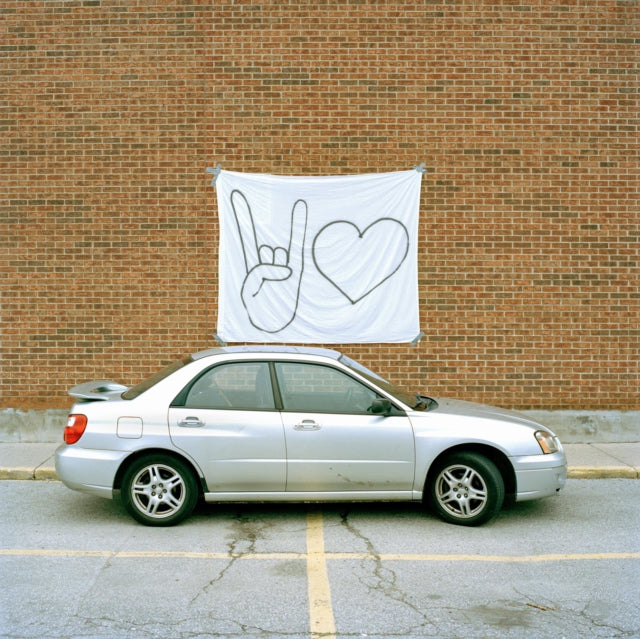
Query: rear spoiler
{"type": "Point", "coordinates": [98, 390]}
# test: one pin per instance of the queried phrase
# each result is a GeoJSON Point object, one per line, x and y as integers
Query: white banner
{"type": "Point", "coordinates": [318, 259]}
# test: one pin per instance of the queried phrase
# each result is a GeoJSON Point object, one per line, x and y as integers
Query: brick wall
{"type": "Point", "coordinates": [526, 114]}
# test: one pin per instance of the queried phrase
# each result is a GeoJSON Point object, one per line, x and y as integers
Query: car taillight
{"type": "Point", "coordinates": [75, 428]}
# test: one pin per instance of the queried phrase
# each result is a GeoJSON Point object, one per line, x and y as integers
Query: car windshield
{"type": "Point", "coordinates": [146, 384]}
{"type": "Point", "coordinates": [407, 398]}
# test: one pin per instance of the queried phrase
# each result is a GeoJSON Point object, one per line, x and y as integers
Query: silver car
{"type": "Point", "coordinates": [243, 424]}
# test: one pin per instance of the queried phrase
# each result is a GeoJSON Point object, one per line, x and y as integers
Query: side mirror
{"type": "Point", "coordinates": [380, 407]}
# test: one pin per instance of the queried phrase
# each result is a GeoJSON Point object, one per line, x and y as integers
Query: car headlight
{"type": "Point", "coordinates": [547, 442]}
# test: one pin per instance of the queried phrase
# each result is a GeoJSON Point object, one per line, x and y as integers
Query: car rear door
{"type": "Point", "coordinates": [333, 443]}
{"type": "Point", "coordinates": [227, 422]}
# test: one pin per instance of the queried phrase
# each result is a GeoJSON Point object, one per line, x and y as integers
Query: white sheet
{"type": "Point", "coordinates": [318, 259]}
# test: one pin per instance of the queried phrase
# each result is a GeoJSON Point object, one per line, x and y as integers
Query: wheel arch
{"type": "Point", "coordinates": [500, 460]}
{"type": "Point", "coordinates": [117, 482]}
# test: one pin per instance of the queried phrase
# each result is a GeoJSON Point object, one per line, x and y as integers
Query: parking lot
{"type": "Point", "coordinates": [74, 565]}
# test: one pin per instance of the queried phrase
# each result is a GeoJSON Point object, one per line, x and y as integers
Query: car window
{"type": "Point", "coordinates": [321, 389]}
{"type": "Point", "coordinates": [237, 386]}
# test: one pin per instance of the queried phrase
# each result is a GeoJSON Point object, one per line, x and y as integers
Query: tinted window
{"type": "Point", "coordinates": [321, 389]}
{"type": "Point", "coordinates": [238, 386]}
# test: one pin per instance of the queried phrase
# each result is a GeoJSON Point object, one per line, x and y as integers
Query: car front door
{"type": "Point", "coordinates": [227, 422]}
{"type": "Point", "coordinates": [333, 443]}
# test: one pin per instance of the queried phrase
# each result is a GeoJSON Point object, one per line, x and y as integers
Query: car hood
{"type": "Point", "coordinates": [461, 408]}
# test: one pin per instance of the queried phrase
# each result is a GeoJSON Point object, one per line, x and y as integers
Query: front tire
{"type": "Point", "coordinates": [159, 490]}
{"type": "Point", "coordinates": [466, 489]}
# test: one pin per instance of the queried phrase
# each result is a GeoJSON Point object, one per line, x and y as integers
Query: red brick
{"type": "Point", "coordinates": [525, 113]}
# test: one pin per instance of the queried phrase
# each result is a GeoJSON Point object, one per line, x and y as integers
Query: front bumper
{"type": "Point", "coordinates": [88, 470]}
{"type": "Point", "coordinates": [539, 475]}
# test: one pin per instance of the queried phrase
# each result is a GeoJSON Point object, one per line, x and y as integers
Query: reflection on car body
{"type": "Point", "coordinates": [297, 424]}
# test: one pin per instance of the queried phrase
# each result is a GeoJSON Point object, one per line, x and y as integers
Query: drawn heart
{"type": "Point", "coordinates": [357, 262]}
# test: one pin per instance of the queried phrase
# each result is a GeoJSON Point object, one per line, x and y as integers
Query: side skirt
{"type": "Point", "coordinates": [403, 495]}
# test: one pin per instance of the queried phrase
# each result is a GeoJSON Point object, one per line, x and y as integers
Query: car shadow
{"type": "Point", "coordinates": [85, 508]}
{"type": "Point", "coordinates": [396, 511]}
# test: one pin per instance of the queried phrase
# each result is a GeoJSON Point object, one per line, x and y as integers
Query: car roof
{"type": "Point", "coordinates": [267, 349]}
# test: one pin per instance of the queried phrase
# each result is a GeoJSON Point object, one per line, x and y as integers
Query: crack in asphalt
{"type": "Point", "coordinates": [385, 578]}
{"type": "Point", "coordinates": [583, 616]}
{"type": "Point", "coordinates": [592, 622]}
{"type": "Point", "coordinates": [246, 531]}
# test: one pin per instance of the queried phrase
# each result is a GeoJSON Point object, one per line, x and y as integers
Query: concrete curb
{"type": "Point", "coordinates": [48, 473]}
{"type": "Point", "coordinates": [603, 472]}
{"type": "Point", "coordinates": [23, 473]}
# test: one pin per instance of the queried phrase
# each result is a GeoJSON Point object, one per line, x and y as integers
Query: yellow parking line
{"type": "Point", "coordinates": [150, 554]}
{"type": "Point", "coordinates": [321, 618]}
{"type": "Point", "coordinates": [489, 558]}
{"type": "Point", "coordinates": [314, 542]}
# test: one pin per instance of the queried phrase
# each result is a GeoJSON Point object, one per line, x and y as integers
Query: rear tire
{"type": "Point", "coordinates": [466, 489]}
{"type": "Point", "coordinates": [159, 490]}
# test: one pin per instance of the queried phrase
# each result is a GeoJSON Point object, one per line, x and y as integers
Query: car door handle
{"type": "Point", "coordinates": [307, 424]}
{"type": "Point", "coordinates": [191, 422]}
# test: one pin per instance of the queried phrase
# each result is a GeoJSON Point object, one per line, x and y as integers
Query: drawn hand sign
{"type": "Point", "coordinates": [357, 262]}
{"type": "Point", "coordinates": [271, 288]}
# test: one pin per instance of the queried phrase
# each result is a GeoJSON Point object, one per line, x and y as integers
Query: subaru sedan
{"type": "Point", "coordinates": [274, 424]}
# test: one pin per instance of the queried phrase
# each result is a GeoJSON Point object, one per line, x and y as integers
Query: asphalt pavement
{"type": "Point", "coordinates": [586, 461]}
